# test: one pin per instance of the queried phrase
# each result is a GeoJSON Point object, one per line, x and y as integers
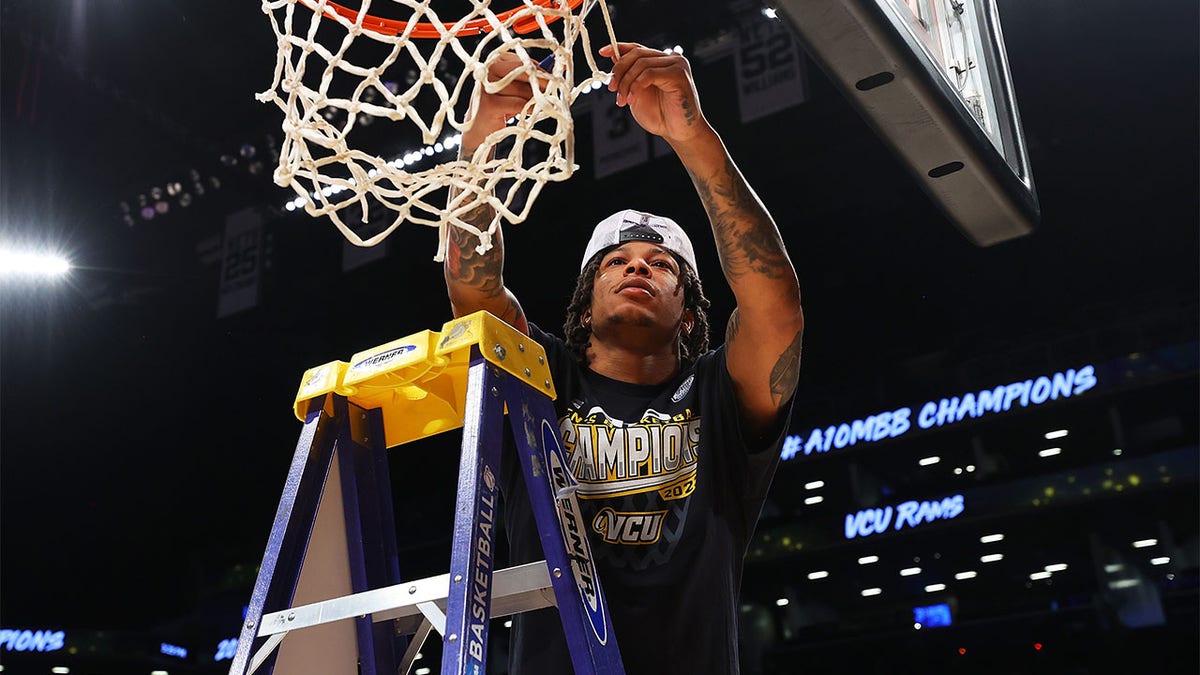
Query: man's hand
{"type": "Point", "coordinates": [495, 109]}
{"type": "Point", "coordinates": [659, 91]}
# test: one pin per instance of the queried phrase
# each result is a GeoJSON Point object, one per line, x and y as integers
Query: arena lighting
{"type": "Point", "coordinates": [991, 538]}
{"type": "Point", "coordinates": [404, 159]}
{"type": "Point", "coordinates": [781, 602]}
{"type": "Point", "coordinates": [970, 468]}
{"type": "Point", "coordinates": [1056, 567]}
{"type": "Point", "coordinates": [770, 12]}
{"type": "Point", "coordinates": [819, 574]}
{"type": "Point", "coordinates": [814, 500]}
{"type": "Point", "coordinates": [1051, 435]}
{"type": "Point", "coordinates": [1123, 583]}
{"type": "Point", "coordinates": [1160, 561]}
{"type": "Point", "coordinates": [910, 571]}
{"type": "Point", "coordinates": [868, 592]}
{"type": "Point", "coordinates": [927, 461]}
{"type": "Point", "coordinates": [159, 672]}
{"type": "Point", "coordinates": [36, 265]}
{"type": "Point", "coordinates": [992, 557]}
{"type": "Point", "coordinates": [1145, 543]}
{"type": "Point", "coordinates": [916, 626]}
{"type": "Point", "coordinates": [422, 671]}
{"type": "Point", "coordinates": [1049, 452]}
{"type": "Point", "coordinates": [969, 574]}
{"type": "Point", "coordinates": [1113, 569]}
{"type": "Point", "coordinates": [868, 559]}
{"type": "Point", "coordinates": [815, 485]}
{"type": "Point", "coordinates": [60, 669]}
{"type": "Point", "coordinates": [958, 471]}
{"type": "Point", "coordinates": [1038, 576]}
{"type": "Point", "coordinates": [934, 588]}
{"type": "Point", "coordinates": [508, 624]}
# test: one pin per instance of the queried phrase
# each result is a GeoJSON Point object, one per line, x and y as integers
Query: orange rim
{"type": "Point", "coordinates": [424, 29]}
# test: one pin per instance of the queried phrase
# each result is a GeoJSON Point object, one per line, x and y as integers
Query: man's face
{"type": "Point", "coordinates": [639, 284]}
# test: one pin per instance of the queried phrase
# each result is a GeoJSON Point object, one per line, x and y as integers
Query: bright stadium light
{"type": "Point", "coordinates": [33, 265]}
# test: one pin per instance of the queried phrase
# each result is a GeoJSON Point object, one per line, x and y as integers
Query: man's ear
{"type": "Point", "coordinates": [688, 321]}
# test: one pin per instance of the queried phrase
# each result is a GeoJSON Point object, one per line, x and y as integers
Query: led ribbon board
{"type": "Point", "coordinates": [943, 412]}
{"type": "Point", "coordinates": [17, 640]}
{"type": "Point", "coordinates": [908, 514]}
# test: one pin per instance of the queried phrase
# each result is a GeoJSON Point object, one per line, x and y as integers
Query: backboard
{"type": "Point", "coordinates": [932, 77]}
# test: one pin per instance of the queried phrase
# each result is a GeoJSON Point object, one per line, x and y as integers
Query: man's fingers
{"type": "Point", "coordinates": [628, 59]}
{"type": "Point", "coordinates": [648, 70]}
{"type": "Point", "coordinates": [624, 47]}
{"type": "Point", "coordinates": [517, 88]}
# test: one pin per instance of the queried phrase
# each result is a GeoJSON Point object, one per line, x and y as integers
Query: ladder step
{"type": "Point", "coordinates": [516, 589]}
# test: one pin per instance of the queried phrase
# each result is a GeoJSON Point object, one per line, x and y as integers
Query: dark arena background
{"type": "Point", "coordinates": [916, 525]}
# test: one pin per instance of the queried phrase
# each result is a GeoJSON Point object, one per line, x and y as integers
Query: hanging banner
{"type": "Point", "coordinates": [770, 70]}
{"type": "Point", "coordinates": [356, 256]}
{"type": "Point", "coordinates": [240, 263]}
{"type": "Point", "coordinates": [618, 142]}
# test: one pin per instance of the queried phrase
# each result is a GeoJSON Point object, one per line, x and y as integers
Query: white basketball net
{"type": "Point", "coordinates": [323, 96]}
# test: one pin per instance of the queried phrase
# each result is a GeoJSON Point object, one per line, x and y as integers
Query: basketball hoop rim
{"type": "Point", "coordinates": [425, 29]}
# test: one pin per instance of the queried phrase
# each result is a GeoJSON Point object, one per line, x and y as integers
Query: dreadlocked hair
{"type": "Point", "coordinates": [579, 336]}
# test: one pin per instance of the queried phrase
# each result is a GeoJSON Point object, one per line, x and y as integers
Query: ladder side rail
{"type": "Point", "coordinates": [587, 623]}
{"type": "Point", "coordinates": [294, 519]}
{"type": "Point", "coordinates": [370, 531]}
{"type": "Point", "coordinates": [389, 558]}
{"type": "Point", "coordinates": [472, 558]}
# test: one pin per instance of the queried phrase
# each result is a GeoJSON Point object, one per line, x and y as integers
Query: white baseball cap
{"type": "Point", "coordinates": [631, 225]}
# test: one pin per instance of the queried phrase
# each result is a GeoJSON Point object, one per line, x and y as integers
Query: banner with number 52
{"type": "Point", "coordinates": [770, 69]}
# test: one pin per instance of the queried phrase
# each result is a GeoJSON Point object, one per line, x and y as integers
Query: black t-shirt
{"type": "Point", "coordinates": [671, 491]}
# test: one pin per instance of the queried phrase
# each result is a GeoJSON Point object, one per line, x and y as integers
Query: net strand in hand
{"type": "Point", "coordinates": [325, 96]}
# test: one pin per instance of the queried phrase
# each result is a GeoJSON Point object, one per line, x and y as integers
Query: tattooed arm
{"type": "Point", "coordinates": [474, 280]}
{"type": "Point", "coordinates": [764, 331]}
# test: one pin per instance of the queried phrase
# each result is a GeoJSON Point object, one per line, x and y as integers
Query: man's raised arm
{"type": "Point", "coordinates": [764, 332]}
{"type": "Point", "coordinates": [474, 280]}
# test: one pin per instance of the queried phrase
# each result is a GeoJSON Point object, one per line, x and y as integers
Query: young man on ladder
{"type": "Point", "coordinates": [674, 446]}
